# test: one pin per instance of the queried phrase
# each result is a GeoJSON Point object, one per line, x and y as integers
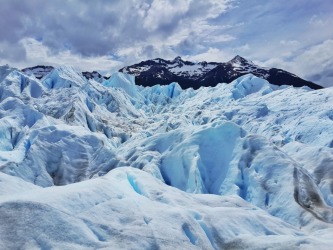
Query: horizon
{"type": "Point", "coordinates": [109, 74]}
{"type": "Point", "coordinates": [167, 59]}
{"type": "Point", "coordinates": [117, 70]}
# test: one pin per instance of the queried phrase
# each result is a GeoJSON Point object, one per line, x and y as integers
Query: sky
{"type": "Point", "coordinates": [106, 35]}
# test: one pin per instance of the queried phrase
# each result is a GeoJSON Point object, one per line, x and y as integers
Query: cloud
{"type": "Point", "coordinates": [166, 14]}
{"type": "Point", "coordinates": [315, 63]}
{"type": "Point", "coordinates": [104, 33]}
{"type": "Point", "coordinates": [292, 43]}
{"type": "Point", "coordinates": [212, 54]}
{"type": "Point", "coordinates": [12, 53]}
{"type": "Point", "coordinates": [318, 21]}
{"type": "Point", "coordinates": [39, 54]}
{"type": "Point", "coordinates": [219, 38]}
{"type": "Point", "coordinates": [99, 27]}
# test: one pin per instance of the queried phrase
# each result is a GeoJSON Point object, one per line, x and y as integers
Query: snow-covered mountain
{"type": "Point", "coordinates": [189, 74]}
{"type": "Point", "coordinates": [38, 71]}
{"type": "Point", "coordinates": [41, 70]}
{"type": "Point", "coordinates": [88, 164]}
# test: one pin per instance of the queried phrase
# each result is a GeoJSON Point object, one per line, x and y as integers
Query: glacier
{"type": "Point", "coordinates": [105, 163]}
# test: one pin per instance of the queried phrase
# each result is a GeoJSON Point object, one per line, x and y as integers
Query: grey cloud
{"type": "Point", "coordinates": [267, 22]}
{"type": "Point", "coordinates": [135, 30]}
{"type": "Point", "coordinates": [88, 28]}
{"type": "Point", "coordinates": [92, 28]}
{"type": "Point", "coordinates": [12, 53]}
{"type": "Point", "coordinates": [313, 63]}
{"type": "Point", "coordinates": [149, 51]}
{"type": "Point", "coordinates": [323, 76]}
{"type": "Point", "coordinates": [189, 45]}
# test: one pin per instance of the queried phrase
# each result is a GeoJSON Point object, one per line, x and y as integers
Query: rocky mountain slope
{"type": "Point", "coordinates": [189, 74]}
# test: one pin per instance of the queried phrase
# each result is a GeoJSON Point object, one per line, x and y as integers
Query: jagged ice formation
{"type": "Point", "coordinates": [108, 164]}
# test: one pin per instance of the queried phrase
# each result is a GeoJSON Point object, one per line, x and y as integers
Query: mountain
{"type": "Point", "coordinates": [92, 75]}
{"type": "Point", "coordinates": [88, 164]}
{"type": "Point", "coordinates": [41, 71]}
{"type": "Point", "coordinates": [194, 75]}
{"type": "Point", "coordinates": [38, 71]}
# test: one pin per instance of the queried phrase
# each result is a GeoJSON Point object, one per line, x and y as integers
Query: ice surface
{"type": "Point", "coordinates": [130, 209]}
{"type": "Point", "coordinates": [63, 77]}
{"type": "Point", "coordinates": [123, 81]}
{"type": "Point", "coordinates": [246, 85]}
{"type": "Point", "coordinates": [245, 165]}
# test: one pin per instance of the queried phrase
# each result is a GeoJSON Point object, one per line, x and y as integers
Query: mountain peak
{"type": "Point", "coordinates": [177, 59]}
{"type": "Point", "coordinates": [238, 57]}
{"type": "Point", "coordinates": [240, 60]}
{"type": "Point", "coordinates": [39, 71]}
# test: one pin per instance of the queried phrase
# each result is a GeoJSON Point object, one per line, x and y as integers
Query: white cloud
{"type": "Point", "coordinates": [187, 24]}
{"type": "Point", "coordinates": [219, 38]}
{"type": "Point", "coordinates": [318, 21]}
{"type": "Point", "coordinates": [211, 55]}
{"type": "Point", "coordinates": [164, 12]}
{"type": "Point", "coordinates": [290, 42]}
{"type": "Point", "coordinates": [93, 29]}
{"type": "Point", "coordinates": [39, 54]}
{"type": "Point", "coordinates": [314, 64]}
{"type": "Point", "coordinates": [242, 49]}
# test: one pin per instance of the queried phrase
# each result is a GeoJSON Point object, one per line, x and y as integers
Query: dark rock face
{"type": "Point", "coordinates": [39, 71]}
{"type": "Point", "coordinates": [195, 75]}
{"type": "Point", "coordinates": [92, 75]}
{"type": "Point", "coordinates": [281, 77]}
